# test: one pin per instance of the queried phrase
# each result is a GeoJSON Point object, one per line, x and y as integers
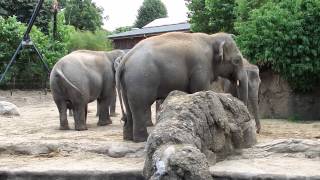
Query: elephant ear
{"type": "Point", "coordinates": [221, 50]}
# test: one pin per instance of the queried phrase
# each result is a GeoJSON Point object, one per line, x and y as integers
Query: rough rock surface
{"type": "Point", "coordinates": [214, 123]}
{"type": "Point", "coordinates": [8, 109]}
{"type": "Point", "coordinates": [180, 162]}
{"type": "Point", "coordinates": [277, 159]}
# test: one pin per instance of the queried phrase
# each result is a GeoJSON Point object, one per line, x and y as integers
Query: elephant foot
{"type": "Point", "coordinates": [65, 127]}
{"type": "Point", "coordinates": [104, 123]}
{"type": "Point", "coordinates": [81, 127]}
{"type": "Point", "coordinates": [149, 123]}
{"type": "Point", "coordinates": [127, 133]}
{"type": "Point", "coordinates": [140, 138]}
{"type": "Point", "coordinates": [114, 114]}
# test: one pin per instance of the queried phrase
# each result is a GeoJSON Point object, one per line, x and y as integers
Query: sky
{"type": "Point", "coordinates": [124, 12]}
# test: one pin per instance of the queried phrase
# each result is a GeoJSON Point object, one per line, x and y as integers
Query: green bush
{"type": "Point", "coordinates": [27, 66]}
{"type": "Point", "coordinates": [285, 36]}
{"type": "Point", "coordinates": [88, 40]}
{"type": "Point", "coordinates": [11, 32]}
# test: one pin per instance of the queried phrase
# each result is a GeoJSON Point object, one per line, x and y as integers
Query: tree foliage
{"type": "Point", "coordinates": [122, 29]}
{"type": "Point", "coordinates": [212, 16]}
{"type": "Point", "coordinates": [89, 40]}
{"type": "Point", "coordinates": [285, 36]}
{"type": "Point", "coordinates": [28, 66]}
{"type": "Point", "coordinates": [149, 11]}
{"type": "Point", "coordinates": [23, 10]}
{"type": "Point", "coordinates": [84, 15]}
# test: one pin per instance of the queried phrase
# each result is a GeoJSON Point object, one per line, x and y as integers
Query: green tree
{"type": "Point", "coordinates": [244, 7]}
{"type": "Point", "coordinates": [212, 16]}
{"type": "Point", "coordinates": [84, 14]}
{"type": "Point", "coordinates": [149, 11]}
{"type": "Point", "coordinates": [28, 66]}
{"type": "Point", "coordinates": [23, 10]}
{"type": "Point", "coordinates": [122, 29]}
{"type": "Point", "coordinates": [285, 36]}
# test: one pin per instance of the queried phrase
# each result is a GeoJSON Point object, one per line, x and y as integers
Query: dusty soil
{"type": "Point", "coordinates": [32, 140]}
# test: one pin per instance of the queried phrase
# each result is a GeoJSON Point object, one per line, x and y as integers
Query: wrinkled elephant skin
{"type": "Point", "coordinates": [82, 77]}
{"type": "Point", "coordinates": [173, 61]}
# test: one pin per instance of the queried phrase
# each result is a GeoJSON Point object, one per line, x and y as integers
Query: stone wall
{"type": "Point", "coordinates": [277, 100]}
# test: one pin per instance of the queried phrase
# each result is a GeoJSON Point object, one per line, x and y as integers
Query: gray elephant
{"type": "Point", "coordinates": [82, 77]}
{"type": "Point", "coordinates": [173, 61]}
{"type": "Point", "coordinates": [254, 81]}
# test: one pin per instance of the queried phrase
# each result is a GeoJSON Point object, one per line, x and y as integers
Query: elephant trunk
{"type": "Point", "coordinates": [255, 110]}
{"type": "Point", "coordinates": [243, 86]}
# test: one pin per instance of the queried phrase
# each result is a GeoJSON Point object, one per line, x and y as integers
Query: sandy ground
{"type": "Point", "coordinates": [39, 123]}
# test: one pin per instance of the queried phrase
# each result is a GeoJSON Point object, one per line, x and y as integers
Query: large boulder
{"type": "Point", "coordinates": [8, 109]}
{"type": "Point", "coordinates": [193, 126]}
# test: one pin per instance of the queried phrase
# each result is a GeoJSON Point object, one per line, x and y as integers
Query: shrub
{"type": "Point", "coordinates": [27, 66]}
{"type": "Point", "coordinates": [285, 36]}
{"type": "Point", "coordinates": [88, 40]}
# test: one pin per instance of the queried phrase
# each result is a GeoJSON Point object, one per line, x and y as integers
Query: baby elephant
{"type": "Point", "coordinates": [80, 78]}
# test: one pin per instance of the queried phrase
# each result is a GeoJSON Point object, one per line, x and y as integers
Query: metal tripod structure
{"type": "Point", "coordinates": [27, 42]}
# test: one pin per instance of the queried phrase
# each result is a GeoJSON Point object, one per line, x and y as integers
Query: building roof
{"type": "Point", "coordinates": [166, 21]}
{"type": "Point", "coordinates": [146, 31]}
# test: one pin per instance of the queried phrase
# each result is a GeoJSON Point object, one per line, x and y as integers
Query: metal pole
{"type": "Point", "coordinates": [41, 58]}
{"type": "Point", "coordinates": [33, 17]}
{"type": "Point", "coordinates": [11, 61]}
{"type": "Point", "coordinates": [26, 38]}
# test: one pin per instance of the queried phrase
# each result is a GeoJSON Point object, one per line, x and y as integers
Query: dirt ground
{"type": "Point", "coordinates": [39, 123]}
{"type": "Point", "coordinates": [39, 113]}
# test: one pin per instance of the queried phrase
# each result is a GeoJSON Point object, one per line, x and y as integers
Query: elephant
{"type": "Point", "coordinates": [80, 78]}
{"type": "Point", "coordinates": [254, 81]}
{"type": "Point", "coordinates": [187, 62]}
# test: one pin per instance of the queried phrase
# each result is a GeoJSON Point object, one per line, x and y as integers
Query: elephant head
{"type": "Point", "coordinates": [228, 62]}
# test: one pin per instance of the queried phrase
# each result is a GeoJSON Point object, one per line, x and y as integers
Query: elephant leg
{"type": "Point", "coordinates": [255, 108]}
{"type": "Point", "coordinates": [104, 117]}
{"type": "Point", "coordinates": [98, 109]}
{"type": "Point", "coordinates": [112, 107]}
{"type": "Point", "coordinates": [86, 113]}
{"type": "Point", "coordinates": [62, 108]}
{"type": "Point", "coordinates": [140, 115]}
{"type": "Point", "coordinates": [80, 117]}
{"type": "Point", "coordinates": [128, 125]}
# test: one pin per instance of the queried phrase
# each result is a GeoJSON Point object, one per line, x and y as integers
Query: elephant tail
{"type": "Point", "coordinates": [119, 70]}
{"type": "Point", "coordinates": [64, 79]}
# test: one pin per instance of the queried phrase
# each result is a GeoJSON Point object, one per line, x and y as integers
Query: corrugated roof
{"type": "Point", "coordinates": [152, 30]}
